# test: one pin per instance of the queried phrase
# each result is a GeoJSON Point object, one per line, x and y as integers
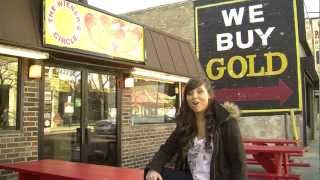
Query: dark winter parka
{"type": "Point", "coordinates": [228, 157]}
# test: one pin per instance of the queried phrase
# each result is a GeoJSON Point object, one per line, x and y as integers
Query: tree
{"type": "Point", "coordinates": [8, 80]}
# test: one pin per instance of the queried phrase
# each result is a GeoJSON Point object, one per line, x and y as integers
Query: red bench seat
{"type": "Point", "coordinates": [291, 163]}
{"type": "Point", "coordinates": [273, 176]}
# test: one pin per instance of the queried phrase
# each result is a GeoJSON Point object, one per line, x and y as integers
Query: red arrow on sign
{"type": "Point", "coordinates": [280, 92]}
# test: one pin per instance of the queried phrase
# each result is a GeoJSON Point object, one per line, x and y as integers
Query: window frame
{"type": "Point", "coordinates": [85, 69]}
{"type": "Point", "coordinates": [177, 103]}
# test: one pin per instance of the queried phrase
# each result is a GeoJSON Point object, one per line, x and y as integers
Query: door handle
{"type": "Point", "coordinates": [86, 136]}
{"type": "Point", "coordinates": [78, 135]}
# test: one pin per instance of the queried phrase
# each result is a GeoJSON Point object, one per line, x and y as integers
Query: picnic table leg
{"type": "Point", "coordinates": [265, 160]}
{"type": "Point", "coordinates": [24, 176]}
{"type": "Point", "coordinates": [285, 163]}
{"type": "Point", "coordinates": [53, 177]}
{"type": "Point", "coordinates": [278, 162]}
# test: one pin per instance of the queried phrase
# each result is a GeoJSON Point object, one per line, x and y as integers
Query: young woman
{"type": "Point", "coordinates": [207, 140]}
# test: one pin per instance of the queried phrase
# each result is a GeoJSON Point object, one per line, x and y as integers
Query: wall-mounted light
{"type": "Point", "coordinates": [22, 52]}
{"type": "Point", "coordinates": [35, 71]}
{"type": "Point", "coordinates": [129, 82]}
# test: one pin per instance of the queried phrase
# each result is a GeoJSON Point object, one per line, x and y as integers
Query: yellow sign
{"type": "Point", "coordinates": [309, 35]}
{"type": "Point", "coordinates": [74, 26]}
{"type": "Point", "coordinates": [316, 33]}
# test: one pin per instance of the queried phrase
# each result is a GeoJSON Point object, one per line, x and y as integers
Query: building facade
{"type": "Point", "coordinates": [64, 100]}
{"type": "Point", "coordinates": [272, 125]}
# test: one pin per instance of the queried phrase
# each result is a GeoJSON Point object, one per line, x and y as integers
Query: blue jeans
{"type": "Point", "coordinates": [170, 174]}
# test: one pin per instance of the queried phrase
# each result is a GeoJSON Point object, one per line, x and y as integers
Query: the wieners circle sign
{"type": "Point", "coordinates": [69, 31]}
{"type": "Point", "coordinates": [79, 28]}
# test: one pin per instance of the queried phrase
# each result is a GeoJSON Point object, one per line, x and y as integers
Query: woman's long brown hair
{"type": "Point", "coordinates": [186, 119]}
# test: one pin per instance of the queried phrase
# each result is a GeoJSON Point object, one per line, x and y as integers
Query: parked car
{"type": "Point", "coordinates": [105, 127]}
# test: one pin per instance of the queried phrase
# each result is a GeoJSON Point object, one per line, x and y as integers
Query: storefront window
{"type": "Point", "coordinates": [62, 98]}
{"type": "Point", "coordinates": [153, 102]}
{"type": "Point", "coordinates": [8, 93]}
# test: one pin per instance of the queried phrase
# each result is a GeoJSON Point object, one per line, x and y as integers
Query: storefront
{"type": "Point", "coordinates": [94, 96]}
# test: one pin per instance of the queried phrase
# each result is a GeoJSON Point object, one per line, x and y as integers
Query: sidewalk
{"type": "Point", "coordinates": [312, 157]}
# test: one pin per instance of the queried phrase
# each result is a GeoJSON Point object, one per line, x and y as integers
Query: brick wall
{"type": "Point", "coordinates": [263, 126]}
{"type": "Point", "coordinates": [139, 142]}
{"type": "Point", "coordinates": [22, 145]}
{"type": "Point", "coordinates": [177, 19]}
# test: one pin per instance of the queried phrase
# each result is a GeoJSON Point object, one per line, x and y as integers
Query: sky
{"type": "Point", "coordinates": [124, 6]}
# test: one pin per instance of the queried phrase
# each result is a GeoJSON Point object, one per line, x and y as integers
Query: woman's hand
{"type": "Point", "coordinates": [153, 175]}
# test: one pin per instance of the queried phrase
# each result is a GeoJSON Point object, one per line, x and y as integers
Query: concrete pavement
{"type": "Point", "coordinates": [312, 157]}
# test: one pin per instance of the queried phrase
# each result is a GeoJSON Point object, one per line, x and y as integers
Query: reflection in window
{"type": "Point", "coordinates": [8, 93]}
{"type": "Point", "coordinates": [62, 98]}
{"type": "Point", "coordinates": [102, 103]}
{"type": "Point", "coordinates": [153, 102]}
{"type": "Point", "coordinates": [101, 115]}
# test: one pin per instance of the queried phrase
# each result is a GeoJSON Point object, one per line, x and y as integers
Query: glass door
{"type": "Point", "coordinates": [62, 114]}
{"type": "Point", "coordinates": [79, 116]}
{"type": "Point", "coordinates": [101, 119]}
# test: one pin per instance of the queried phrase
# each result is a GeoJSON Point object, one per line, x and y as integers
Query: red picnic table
{"type": "Point", "coordinates": [278, 142]}
{"type": "Point", "coordinates": [64, 170]}
{"type": "Point", "coordinates": [274, 159]}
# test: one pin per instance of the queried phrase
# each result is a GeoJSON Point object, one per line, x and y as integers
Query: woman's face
{"type": "Point", "coordinates": [198, 99]}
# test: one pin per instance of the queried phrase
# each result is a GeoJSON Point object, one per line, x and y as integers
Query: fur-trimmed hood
{"type": "Point", "coordinates": [233, 109]}
{"type": "Point", "coordinates": [225, 112]}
